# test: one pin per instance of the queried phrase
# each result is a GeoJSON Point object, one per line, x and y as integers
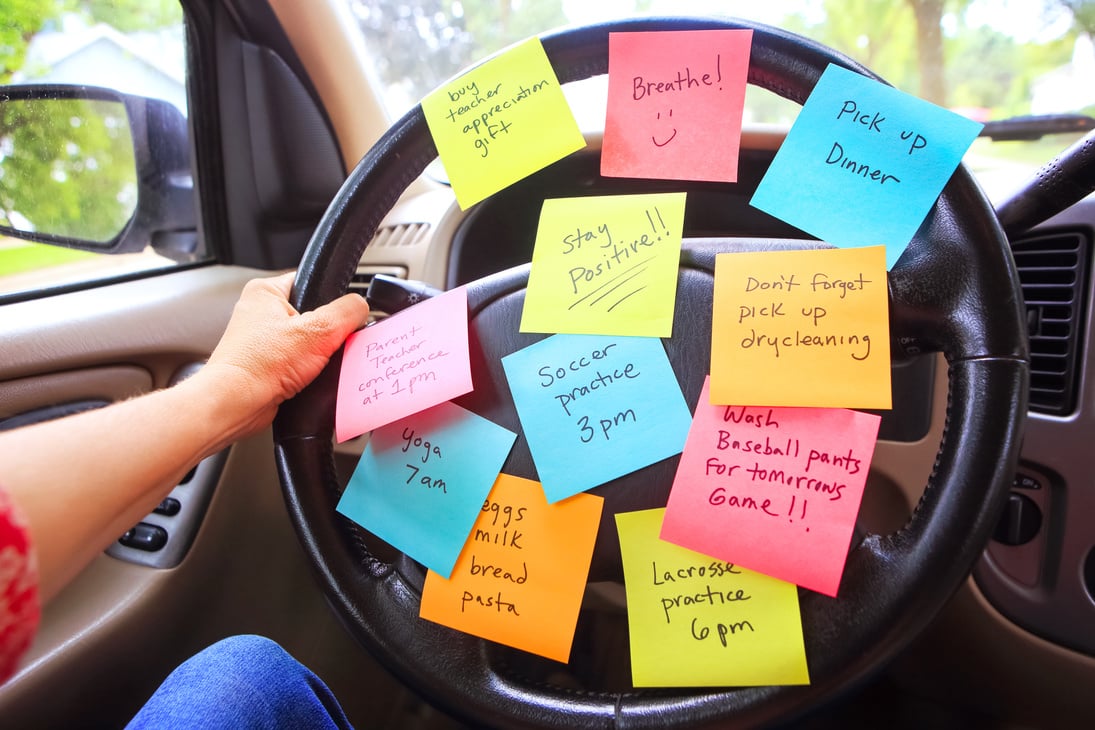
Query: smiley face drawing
{"type": "Point", "coordinates": [654, 138]}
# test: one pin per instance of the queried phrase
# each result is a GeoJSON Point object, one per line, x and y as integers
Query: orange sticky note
{"type": "Point", "coordinates": [522, 574]}
{"type": "Point", "coordinates": [501, 121]}
{"type": "Point", "coordinates": [775, 490]}
{"type": "Point", "coordinates": [801, 328]}
{"type": "Point", "coordinates": [675, 101]}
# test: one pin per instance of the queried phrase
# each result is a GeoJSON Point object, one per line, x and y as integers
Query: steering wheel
{"type": "Point", "coordinates": [954, 291]}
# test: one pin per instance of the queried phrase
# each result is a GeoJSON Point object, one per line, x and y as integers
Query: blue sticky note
{"type": "Point", "coordinates": [596, 407]}
{"type": "Point", "coordinates": [863, 163]}
{"type": "Point", "coordinates": [423, 479]}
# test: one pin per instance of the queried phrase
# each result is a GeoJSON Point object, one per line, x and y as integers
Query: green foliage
{"type": "Point", "coordinates": [20, 20]}
{"type": "Point", "coordinates": [880, 34]}
{"type": "Point", "coordinates": [67, 167]}
{"type": "Point", "coordinates": [17, 257]}
{"type": "Point", "coordinates": [1083, 14]}
{"type": "Point", "coordinates": [495, 24]}
{"type": "Point", "coordinates": [133, 15]}
{"type": "Point", "coordinates": [980, 67]}
{"type": "Point", "coordinates": [453, 34]}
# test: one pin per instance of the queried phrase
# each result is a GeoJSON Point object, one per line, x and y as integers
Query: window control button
{"type": "Point", "coordinates": [144, 536]}
{"type": "Point", "coordinates": [169, 507]}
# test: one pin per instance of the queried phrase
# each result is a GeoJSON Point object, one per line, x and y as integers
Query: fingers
{"type": "Point", "coordinates": [346, 314]}
{"type": "Point", "coordinates": [283, 282]}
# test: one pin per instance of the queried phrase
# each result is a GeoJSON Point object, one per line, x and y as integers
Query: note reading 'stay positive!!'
{"type": "Point", "coordinates": [801, 328]}
{"type": "Point", "coordinates": [605, 265]}
{"type": "Point", "coordinates": [421, 481]}
{"type": "Point", "coordinates": [404, 364]}
{"type": "Point", "coordinates": [675, 101]}
{"type": "Point", "coordinates": [863, 163]}
{"type": "Point", "coordinates": [595, 407]}
{"type": "Point", "coordinates": [776, 490]}
{"type": "Point", "coordinates": [522, 574]}
{"type": "Point", "coordinates": [695, 621]}
{"type": "Point", "coordinates": [501, 121]}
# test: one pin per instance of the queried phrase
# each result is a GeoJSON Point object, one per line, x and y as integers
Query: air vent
{"type": "Point", "coordinates": [403, 234]}
{"type": "Point", "coordinates": [1053, 271]}
{"type": "Point", "coordinates": [365, 273]}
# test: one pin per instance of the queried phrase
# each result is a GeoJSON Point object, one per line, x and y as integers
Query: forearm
{"type": "Point", "coordinates": [83, 481]}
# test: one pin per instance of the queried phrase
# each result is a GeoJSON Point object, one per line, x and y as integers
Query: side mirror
{"type": "Point", "coordinates": [96, 170]}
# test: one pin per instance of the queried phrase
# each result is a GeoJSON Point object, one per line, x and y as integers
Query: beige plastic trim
{"type": "Point", "coordinates": [106, 383]}
{"type": "Point", "coordinates": [324, 35]}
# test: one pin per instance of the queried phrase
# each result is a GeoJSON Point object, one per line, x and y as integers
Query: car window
{"type": "Point", "coordinates": [987, 59]}
{"type": "Point", "coordinates": [135, 47]}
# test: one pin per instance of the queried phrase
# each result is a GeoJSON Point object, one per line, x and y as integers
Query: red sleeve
{"type": "Point", "coordinates": [19, 608]}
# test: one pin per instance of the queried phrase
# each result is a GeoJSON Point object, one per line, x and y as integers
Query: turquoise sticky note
{"type": "Point", "coordinates": [863, 163]}
{"type": "Point", "coordinates": [596, 407]}
{"type": "Point", "coordinates": [422, 480]}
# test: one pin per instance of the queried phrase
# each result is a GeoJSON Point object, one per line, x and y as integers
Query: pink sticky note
{"type": "Point", "coordinates": [675, 101]}
{"type": "Point", "coordinates": [404, 364]}
{"type": "Point", "coordinates": [775, 490]}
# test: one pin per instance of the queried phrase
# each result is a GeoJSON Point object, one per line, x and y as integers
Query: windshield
{"type": "Point", "coordinates": [986, 59]}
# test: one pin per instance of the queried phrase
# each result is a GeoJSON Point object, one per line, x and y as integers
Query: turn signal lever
{"type": "Point", "coordinates": [390, 294]}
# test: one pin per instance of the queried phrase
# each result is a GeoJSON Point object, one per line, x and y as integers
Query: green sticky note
{"type": "Point", "coordinates": [696, 621]}
{"type": "Point", "coordinates": [500, 122]}
{"type": "Point", "coordinates": [606, 265]}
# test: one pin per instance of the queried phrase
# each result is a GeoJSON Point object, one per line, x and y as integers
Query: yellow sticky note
{"type": "Point", "coordinates": [500, 122]}
{"type": "Point", "coordinates": [801, 328]}
{"type": "Point", "coordinates": [522, 574]}
{"type": "Point", "coordinates": [606, 265]}
{"type": "Point", "coordinates": [696, 621]}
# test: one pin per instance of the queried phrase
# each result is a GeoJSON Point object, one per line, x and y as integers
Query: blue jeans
{"type": "Point", "coordinates": [241, 682]}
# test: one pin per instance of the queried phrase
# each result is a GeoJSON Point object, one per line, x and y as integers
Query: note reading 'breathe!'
{"type": "Point", "coordinates": [606, 265]}
{"type": "Point", "coordinates": [801, 328]}
{"type": "Point", "coordinates": [522, 574]}
{"type": "Point", "coordinates": [863, 163]}
{"type": "Point", "coordinates": [697, 621]}
{"type": "Point", "coordinates": [776, 490]}
{"type": "Point", "coordinates": [675, 101]}
{"type": "Point", "coordinates": [501, 121]}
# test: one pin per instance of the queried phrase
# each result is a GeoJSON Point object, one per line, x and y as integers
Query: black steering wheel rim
{"type": "Point", "coordinates": [955, 291]}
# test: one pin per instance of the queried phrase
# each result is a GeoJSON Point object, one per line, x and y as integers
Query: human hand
{"type": "Point", "coordinates": [269, 352]}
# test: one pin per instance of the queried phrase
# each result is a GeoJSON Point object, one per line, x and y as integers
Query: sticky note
{"type": "Point", "coordinates": [500, 122]}
{"type": "Point", "coordinates": [606, 265]}
{"type": "Point", "coordinates": [775, 490]}
{"type": "Point", "coordinates": [801, 328]}
{"type": "Point", "coordinates": [594, 408]}
{"type": "Point", "coordinates": [863, 163]}
{"type": "Point", "coordinates": [696, 621]}
{"type": "Point", "coordinates": [675, 101]}
{"type": "Point", "coordinates": [522, 574]}
{"type": "Point", "coordinates": [421, 481]}
{"type": "Point", "coordinates": [404, 364]}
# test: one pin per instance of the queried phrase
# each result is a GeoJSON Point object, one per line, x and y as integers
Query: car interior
{"type": "Point", "coordinates": [969, 593]}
